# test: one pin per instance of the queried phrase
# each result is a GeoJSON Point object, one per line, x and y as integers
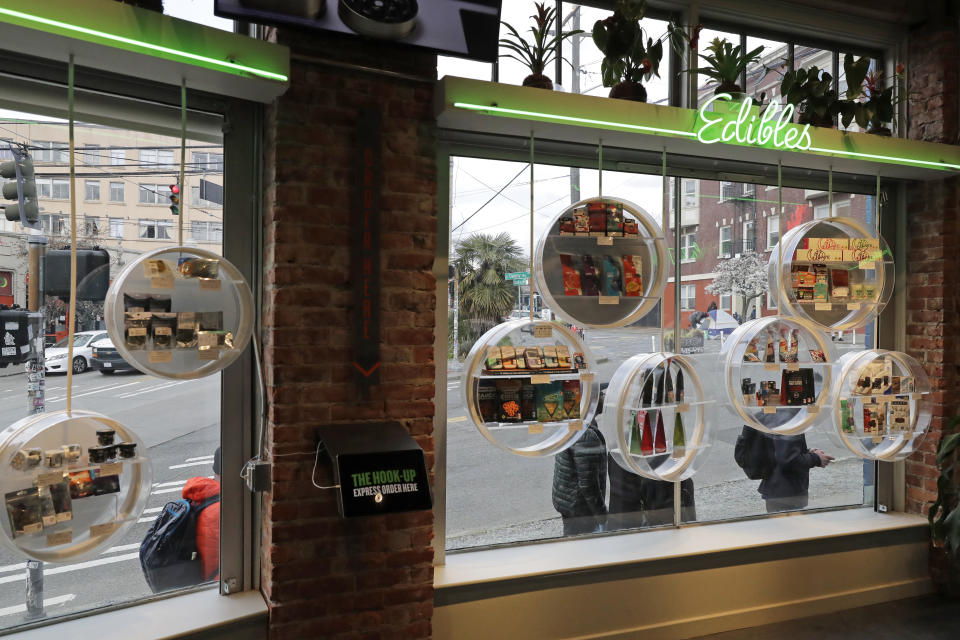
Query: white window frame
{"type": "Point", "coordinates": [688, 240]}
{"type": "Point", "coordinates": [728, 307]}
{"type": "Point", "coordinates": [87, 184]}
{"type": "Point", "coordinates": [114, 185]}
{"type": "Point", "coordinates": [118, 157]}
{"type": "Point", "coordinates": [720, 241]}
{"type": "Point", "coordinates": [749, 232]}
{"type": "Point", "coordinates": [772, 221]}
{"type": "Point", "coordinates": [90, 154]}
{"type": "Point", "coordinates": [116, 227]}
{"type": "Point", "coordinates": [688, 302]}
{"type": "Point", "coordinates": [60, 189]}
{"type": "Point", "coordinates": [161, 229]}
{"type": "Point", "coordinates": [690, 196]}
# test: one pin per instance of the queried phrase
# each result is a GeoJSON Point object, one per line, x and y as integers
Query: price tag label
{"type": "Point", "coordinates": [60, 537]}
{"type": "Point", "coordinates": [160, 356]}
{"type": "Point", "coordinates": [210, 284]}
{"type": "Point", "coordinates": [208, 354]}
{"type": "Point", "coordinates": [877, 439]}
{"type": "Point", "coordinates": [793, 366]}
{"type": "Point", "coordinates": [575, 425]}
{"type": "Point", "coordinates": [11, 326]}
{"type": "Point", "coordinates": [608, 299]}
{"type": "Point", "coordinates": [867, 264]}
{"type": "Point", "coordinates": [769, 409]}
{"type": "Point", "coordinates": [103, 529]}
{"type": "Point", "coordinates": [51, 477]}
{"type": "Point", "coordinates": [853, 306]}
{"type": "Point", "coordinates": [163, 331]}
{"type": "Point", "coordinates": [586, 377]}
{"type": "Point", "coordinates": [535, 428]}
{"type": "Point", "coordinates": [823, 306]}
{"type": "Point", "coordinates": [683, 407]}
{"type": "Point", "coordinates": [812, 408]}
{"type": "Point", "coordinates": [543, 331]}
{"type": "Point", "coordinates": [136, 331]}
{"type": "Point", "coordinates": [162, 281]}
{"type": "Point", "coordinates": [540, 378]}
{"type": "Point", "coordinates": [111, 469]}
{"type": "Point", "coordinates": [771, 366]}
{"type": "Point", "coordinates": [605, 242]}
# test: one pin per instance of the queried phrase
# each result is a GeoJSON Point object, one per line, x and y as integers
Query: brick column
{"type": "Point", "coordinates": [324, 577]}
{"type": "Point", "coordinates": [933, 265]}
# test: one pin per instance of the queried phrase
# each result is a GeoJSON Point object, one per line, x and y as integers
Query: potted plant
{"type": "Point", "coordinates": [536, 55]}
{"type": "Point", "coordinates": [630, 56]}
{"type": "Point", "coordinates": [811, 92]}
{"type": "Point", "coordinates": [727, 63]}
{"type": "Point", "coordinates": [869, 102]}
{"type": "Point", "coordinates": [944, 517]}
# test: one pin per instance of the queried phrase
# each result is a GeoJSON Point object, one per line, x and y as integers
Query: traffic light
{"type": "Point", "coordinates": [175, 199]}
{"type": "Point", "coordinates": [22, 188]}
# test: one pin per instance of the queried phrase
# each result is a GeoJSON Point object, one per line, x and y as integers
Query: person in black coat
{"type": "Point", "coordinates": [580, 481]}
{"type": "Point", "coordinates": [636, 501]}
{"type": "Point", "coordinates": [786, 486]}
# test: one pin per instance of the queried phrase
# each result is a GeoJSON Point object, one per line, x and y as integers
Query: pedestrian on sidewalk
{"type": "Point", "coordinates": [580, 481]}
{"type": "Point", "coordinates": [202, 490]}
{"type": "Point", "coordinates": [786, 486]}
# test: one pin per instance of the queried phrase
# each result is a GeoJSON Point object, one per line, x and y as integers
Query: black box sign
{"type": "Point", "coordinates": [377, 483]}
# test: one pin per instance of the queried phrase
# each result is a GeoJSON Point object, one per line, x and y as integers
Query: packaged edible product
{"type": "Point", "coordinates": [789, 345]}
{"type": "Point", "coordinates": [870, 424]}
{"type": "Point", "coordinates": [769, 354]}
{"type": "Point", "coordinates": [127, 449]}
{"type": "Point", "coordinates": [186, 329]}
{"type": "Point", "coordinates": [816, 355]}
{"type": "Point", "coordinates": [802, 276]}
{"type": "Point", "coordinates": [550, 357]}
{"type": "Point", "coordinates": [488, 400]}
{"type": "Point", "coordinates": [631, 228]}
{"type": "Point", "coordinates": [579, 361]}
{"type": "Point", "coordinates": [571, 266]}
{"type": "Point", "coordinates": [156, 268]}
{"type": "Point", "coordinates": [846, 418]}
{"type": "Point", "coordinates": [54, 458]}
{"type": "Point", "coordinates": [581, 221]}
{"type": "Point", "coordinates": [751, 354]}
{"type": "Point", "coordinates": [907, 384]}
{"type": "Point", "coordinates": [214, 341]}
{"type": "Point", "coordinates": [60, 497]}
{"type": "Point", "coordinates": [862, 255]}
{"type": "Point", "coordinates": [566, 226]}
{"type": "Point", "coordinates": [48, 516]}
{"type": "Point", "coordinates": [23, 511]}
{"type": "Point", "coordinates": [598, 218]}
{"type": "Point", "coordinates": [646, 432]}
{"type": "Point", "coordinates": [105, 436]}
{"type": "Point", "coordinates": [614, 220]}
{"type": "Point", "coordinates": [563, 357]}
{"type": "Point", "coordinates": [509, 400]}
{"type": "Point", "coordinates": [549, 401]}
{"type": "Point", "coordinates": [209, 320]}
{"type": "Point", "coordinates": [162, 326]}
{"type": "Point", "coordinates": [632, 276]}
{"type": "Point", "coordinates": [824, 243]}
{"type": "Point", "coordinates": [571, 399]}
{"type": "Point", "coordinates": [864, 243]}
{"type": "Point", "coordinates": [494, 363]}
{"type": "Point", "coordinates": [534, 358]}
{"type": "Point", "coordinates": [99, 454]}
{"type": "Point", "coordinates": [136, 325]}
{"type": "Point", "coordinates": [136, 302]}
{"type": "Point", "coordinates": [590, 277]}
{"type": "Point", "coordinates": [26, 459]}
{"type": "Point", "coordinates": [521, 358]}
{"type": "Point", "coordinates": [821, 286]}
{"type": "Point", "coordinates": [797, 387]}
{"type": "Point", "coordinates": [856, 291]}
{"type": "Point", "coordinates": [840, 284]}
{"type": "Point", "coordinates": [508, 357]}
{"type": "Point", "coordinates": [72, 453]}
{"type": "Point", "coordinates": [900, 414]}
{"type": "Point", "coordinates": [612, 277]}
{"type": "Point", "coordinates": [198, 267]}
{"type": "Point", "coordinates": [528, 402]}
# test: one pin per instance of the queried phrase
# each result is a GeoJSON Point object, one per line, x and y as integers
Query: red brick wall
{"type": "Point", "coordinates": [933, 300]}
{"type": "Point", "coordinates": [324, 577]}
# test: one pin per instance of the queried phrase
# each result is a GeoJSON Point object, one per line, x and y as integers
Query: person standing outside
{"type": "Point", "coordinates": [785, 487]}
{"type": "Point", "coordinates": [202, 491]}
{"type": "Point", "coordinates": [580, 481]}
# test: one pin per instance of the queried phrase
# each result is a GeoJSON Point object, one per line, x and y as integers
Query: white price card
{"type": "Point", "coordinates": [540, 378]}
{"type": "Point", "coordinates": [853, 306]}
{"type": "Point", "coordinates": [605, 242]}
{"type": "Point", "coordinates": [543, 331]}
{"type": "Point", "coordinates": [103, 529]}
{"type": "Point", "coordinates": [823, 306]}
{"type": "Point", "coordinates": [608, 299]}
{"type": "Point", "coordinates": [867, 264]}
{"type": "Point", "coordinates": [208, 354]}
{"type": "Point", "coordinates": [11, 326]}
{"type": "Point", "coordinates": [793, 366]}
{"type": "Point", "coordinates": [111, 469]}
{"type": "Point", "coordinates": [575, 425]}
{"type": "Point", "coordinates": [683, 407]}
{"type": "Point", "coordinates": [160, 356]}
{"type": "Point", "coordinates": [536, 427]}
{"type": "Point", "coordinates": [211, 284]}
{"type": "Point", "coordinates": [771, 366]}
{"type": "Point", "coordinates": [586, 377]}
{"type": "Point", "coordinates": [51, 477]}
{"type": "Point", "coordinates": [162, 281]}
{"type": "Point", "coordinates": [769, 409]}
{"type": "Point", "coordinates": [60, 537]}
{"type": "Point", "coordinates": [812, 408]}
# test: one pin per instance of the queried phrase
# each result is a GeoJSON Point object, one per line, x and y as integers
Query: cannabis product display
{"type": "Point", "coordinates": [105, 436]}
{"type": "Point", "coordinates": [607, 275]}
{"type": "Point", "coordinates": [598, 219]}
{"type": "Point", "coordinates": [198, 267]}
{"type": "Point", "coordinates": [508, 359]}
{"type": "Point", "coordinates": [679, 439]}
{"type": "Point", "coordinates": [24, 511]}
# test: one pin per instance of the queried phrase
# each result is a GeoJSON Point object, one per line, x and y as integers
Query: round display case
{"type": "Point", "coordinates": [528, 387]}
{"type": "Point", "coordinates": [73, 483]}
{"type": "Point", "coordinates": [777, 374]}
{"type": "Point", "coordinates": [602, 263]}
{"type": "Point", "coordinates": [179, 312]}
{"type": "Point", "coordinates": [881, 404]}
{"type": "Point", "coordinates": [653, 416]}
{"type": "Point", "coordinates": [835, 272]}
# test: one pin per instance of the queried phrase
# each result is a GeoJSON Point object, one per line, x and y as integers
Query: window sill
{"type": "Point", "coordinates": [746, 539]}
{"type": "Point", "coordinates": [165, 618]}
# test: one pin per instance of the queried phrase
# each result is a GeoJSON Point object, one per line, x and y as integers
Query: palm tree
{"type": "Point", "coordinates": [481, 261]}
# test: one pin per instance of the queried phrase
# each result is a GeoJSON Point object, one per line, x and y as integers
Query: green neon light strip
{"type": "Point", "coordinates": [232, 66]}
{"type": "Point", "coordinates": [688, 134]}
{"type": "Point", "coordinates": [551, 116]}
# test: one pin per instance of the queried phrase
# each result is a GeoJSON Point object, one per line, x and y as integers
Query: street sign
{"type": "Point", "coordinates": [521, 282]}
{"type": "Point", "coordinates": [517, 275]}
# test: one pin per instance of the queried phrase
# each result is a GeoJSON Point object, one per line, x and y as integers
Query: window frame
{"type": "Point", "coordinates": [720, 241]}
{"type": "Point", "coordinates": [118, 156]}
{"type": "Point", "coordinates": [772, 219]}
{"type": "Point", "coordinates": [123, 191]}
{"type": "Point", "coordinates": [685, 299]}
{"type": "Point", "coordinates": [749, 234]}
{"type": "Point", "coordinates": [110, 226]}
{"type": "Point", "coordinates": [86, 190]}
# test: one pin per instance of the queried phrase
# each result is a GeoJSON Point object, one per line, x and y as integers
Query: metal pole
{"type": "Point", "coordinates": [456, 315]}
{"type": "Point", "coordinates": [677, 342]}
{"type": "Point", "coordinates": [575, 88]}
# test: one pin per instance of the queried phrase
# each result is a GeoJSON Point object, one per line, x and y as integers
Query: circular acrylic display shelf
{"type": "Point", "coordinates": [881, 404]}
{"type": "Point", "coordinates": [777, 374]}
{"type": "Point", "coordinates": [836, 273]}
{"type": "Point", "coordinates": [61, 505]}
{"type": "Point", "coordinates": [179, 312]}
{"type": "Point", "coordinates": [602, 263]}
{"type": "Point", "coordinates": [536, 403]}
{"type": "Point", "coordinates": [646, 395]}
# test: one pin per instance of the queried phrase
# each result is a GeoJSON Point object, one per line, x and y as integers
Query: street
{"type": "Point", "coordinates": [179, 423]}
{"type": "Point", "coordinates": [496, 497]}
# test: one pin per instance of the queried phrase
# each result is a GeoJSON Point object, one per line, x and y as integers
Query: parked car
{"type": "Point", "coordinates": [55, 357]}
{"type": "Point", "coordinates": [106, 359]}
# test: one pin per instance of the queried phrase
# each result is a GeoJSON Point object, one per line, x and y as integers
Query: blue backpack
{"type": "Point", "coordinates": [168, 553]}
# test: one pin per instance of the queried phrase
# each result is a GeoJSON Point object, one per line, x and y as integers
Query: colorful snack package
{"type": "Point", "coordinates": [521, 358]}
{"type": "Point", "coordinates": [566, 226]}
{"type": "Point", "coordinates": [549, 402]}
{"type": "Point", "coordinates": [581, 221]}
{"type": "Point", "coordinates": [509, 400]}
{"type": "Point", "coordinates": [488, 398]}
{"type": "Point", "coordinates": [614, 220]}
{"type": "Point", "coordinates": [612, 276]}
{"type": "Point", "coordinates": [528, 402]}
{"type": "Point", "coordinates": [900, 414]}
{"type": "Point", "coordinates": [846, 419]}
{"type": "Point", "coordinates": [563, 357]}
{"type": "Point", "coordinates": [571, 399]}
{"type": "Point", "coordinates": [631, 229]}
{"type": "Point", "coordinates": [598, 218]}
{"type": "Point", "coordinates": [534, 358]}
{"type": "Point", "coordinates": [550, 358]}
{"type": "Point", "coordinates": [816, 355]}
{"type": "Point", "coordinates": [493, 359]}
{"type": "Point", "coordinates": [632, 278]}
{"type": "Point", "coordinates": [769, 355]}
{"type": "Point", "coordinates": [579, 361]}
{"type": "Point", "coordinates": [508, 357]}
{"type": "Point", "coordinates": [571, 274]}
{"type": "Point", "coordinates": [590, 277]}
{"type": "Point", "coordinates": [751, 354]}
{"type": "Point", "coordinates": [840, 281]}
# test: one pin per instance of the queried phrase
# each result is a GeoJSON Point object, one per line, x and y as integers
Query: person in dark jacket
{"type": "Point", "coordinates": [636, 501]}
{"type": "Point", "coordinates": [580, 481]}
{"type": "Point", "coordinates": [786, 486]}
{"type": "Point", "coordinates": [198, 490]}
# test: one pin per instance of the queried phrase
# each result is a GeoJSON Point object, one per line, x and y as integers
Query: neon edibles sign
{"type": "Point", "coordinates": [773, 128]}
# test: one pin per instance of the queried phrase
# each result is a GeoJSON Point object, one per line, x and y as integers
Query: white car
{"type": "Point", "coordinates": [55, 357]}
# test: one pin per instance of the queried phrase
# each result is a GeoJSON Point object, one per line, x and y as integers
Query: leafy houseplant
{"type": "Point", "coordinates": [536, 55]}
{"type": "Point", "coordinates": [630, 56]}
{"type": "Point", "coordinates": [944, 516]}
{"type": "Point", "coordinates": [727, 64]}
{"type": "Point", "coordinates": [811, 92]}
{"type": "Point", "coordinates": [868, 102]}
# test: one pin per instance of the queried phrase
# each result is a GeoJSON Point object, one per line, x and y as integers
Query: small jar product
{"type": "Point", "coordinates": [27, 459]}
{"type": "Point", "coordinates": [136, 326]}
{"type": "Point", "coordinates": [111, 451]}
{"type": "Point", "coordinates": [105, 436]}
{"type": "Point", "coordinates": [127, 449]}
{"type": "Point", "coordinates": [99, 454]}
{"type": "Point", "coordinates": [54, 458]}
{"type": "Point", "coordinates": [72, 453]}
{"type": "Point", "coordinates": [162, 327]}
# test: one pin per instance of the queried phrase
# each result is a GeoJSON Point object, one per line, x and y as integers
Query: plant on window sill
{"type": "Point", "coordinates": [536, 55]}
{"type": "Point", "coordinates": [944, 515]}
{"type": "Point", "coordinates": [727, 64]}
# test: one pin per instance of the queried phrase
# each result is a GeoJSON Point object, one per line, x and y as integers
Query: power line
{"type": "Point", "coordinates": [522, 169]}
